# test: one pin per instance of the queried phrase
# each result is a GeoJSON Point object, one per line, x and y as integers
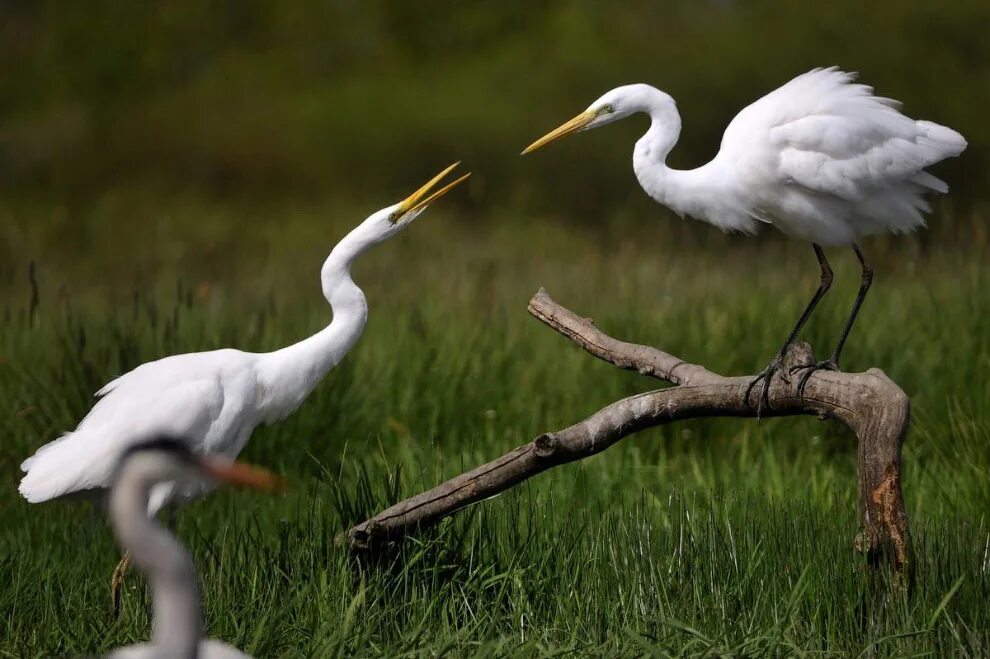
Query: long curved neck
{"type": "Point", "coordinates": [665, 127]}
{"type": "Point", "coordinates": [676, 189]}
{"type": "Point", "coordinates": [177, 625]}
{"type": "Point", "coordinates": [290, 374]}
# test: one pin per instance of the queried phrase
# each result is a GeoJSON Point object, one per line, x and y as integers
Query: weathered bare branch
{"type": "Point", "coordinates": [869, 403]}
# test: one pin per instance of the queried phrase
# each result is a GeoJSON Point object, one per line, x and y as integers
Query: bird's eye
{"type": "Point", "coordinates": [608, 108]}
{"type": "Point", "coordinates": [392, 217]}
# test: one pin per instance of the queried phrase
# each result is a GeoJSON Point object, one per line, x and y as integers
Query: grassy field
{"type": "Point", "coordinates": [708, 538]}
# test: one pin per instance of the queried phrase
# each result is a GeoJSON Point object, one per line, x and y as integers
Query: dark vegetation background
{"type": "Point", "coordinates": [177, 171]}
{"type": "Point", "coordinates": [110, 107]}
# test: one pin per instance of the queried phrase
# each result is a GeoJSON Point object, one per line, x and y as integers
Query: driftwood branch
{"type": "Point", "coordinates": [869, 403]}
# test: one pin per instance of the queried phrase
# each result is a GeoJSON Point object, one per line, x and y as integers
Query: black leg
{"type": "Point", "coordinates": [775, 363]}
{"type": "Point", "coordinates": [832, 363]}
{"type": "Point", "coordinates": [863, 288]}
{"type": "Point", "coordinates": [823, 287]}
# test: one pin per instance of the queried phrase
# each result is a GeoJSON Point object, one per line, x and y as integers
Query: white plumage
{"type": "Point", "coordinates": [215, 399]}
{"type": "Point", "coordinates": [820, 158]}
{"type": "Point", "coordinates": [825, 160]}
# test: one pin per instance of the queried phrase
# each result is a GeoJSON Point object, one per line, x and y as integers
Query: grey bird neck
{"type": "Point", "coordinates": [177, 618]}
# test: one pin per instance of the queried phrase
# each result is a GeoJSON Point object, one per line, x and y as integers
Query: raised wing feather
{"type": "Point", "coordinates": [826, 133]}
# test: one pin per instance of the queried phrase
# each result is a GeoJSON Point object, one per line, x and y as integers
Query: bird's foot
{"type": "Point", "coordinates": [766, 376]}
{"type": "Point", "coordinates": [829, 364]}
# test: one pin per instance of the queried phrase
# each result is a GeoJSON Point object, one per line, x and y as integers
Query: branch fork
{"type": "Point", "coordinates": [869, 403]}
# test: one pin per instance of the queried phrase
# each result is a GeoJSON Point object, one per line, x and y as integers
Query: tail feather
{"type": "Point", "coordinates": [59, 468]}
{"type": "Point", "coordinates": [28, 462]}
{"type": "Point", "coordinates": [941, 141]}
{"type": "Point", "coordinates": [930, 182]}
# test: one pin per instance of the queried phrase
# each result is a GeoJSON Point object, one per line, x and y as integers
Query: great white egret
{"type": "Point", "coordinates": [820, 158]}
{"type": "Point", "coordinates": [177, 623]}
{"type": "Point", "coordinates": [215, 399]}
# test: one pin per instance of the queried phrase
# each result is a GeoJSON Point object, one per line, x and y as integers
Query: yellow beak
{"type": "Point", "coordinates": [419, 199]}
{"type": "Point", "coordinates": [572, 126]}
{"type": "Point", "coordinates": [240, 474]}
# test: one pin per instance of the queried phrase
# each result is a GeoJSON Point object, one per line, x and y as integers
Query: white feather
{"type": "Point", "coordinates": [821, 157]}
{"type": "Point", "coordinates": [213, 400]}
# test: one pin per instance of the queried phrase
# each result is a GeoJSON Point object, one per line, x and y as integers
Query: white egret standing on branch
{"type": "Point", "coordinates": [820, 158]}
{"type": "Point", "coordinates": [177, 621]}
{"type": "Point", "coordinates": [215, 399]}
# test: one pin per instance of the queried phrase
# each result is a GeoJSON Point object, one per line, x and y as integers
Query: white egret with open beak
{"type": "Point", "coordinates": [216, 399]}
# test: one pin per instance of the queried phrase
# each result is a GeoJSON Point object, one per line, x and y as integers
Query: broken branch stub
{"type": "Point", "coordinates": [869, 403]}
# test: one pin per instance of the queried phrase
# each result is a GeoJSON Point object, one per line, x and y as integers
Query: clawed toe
{"type": "Point", "coordinates": [766, 375]}
{"type": "Point", "coordinates": [825, 365]}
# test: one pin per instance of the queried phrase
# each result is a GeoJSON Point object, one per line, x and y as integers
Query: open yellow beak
{"type": "Point", "coordinates": [240, 474]}
{"type": "Point", "coordinates": [572, 126]}
{"type": "Point", "coordinates": [419, 199]}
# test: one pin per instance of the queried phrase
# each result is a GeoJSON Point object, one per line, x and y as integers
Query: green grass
{"type": "Point", "coordinates": [712, 537]}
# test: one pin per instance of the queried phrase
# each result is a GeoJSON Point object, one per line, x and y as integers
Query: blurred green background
{"type": "Point", "coordinates": [178, 170]}
{"type": "Point", "coordinates": [114, 114]}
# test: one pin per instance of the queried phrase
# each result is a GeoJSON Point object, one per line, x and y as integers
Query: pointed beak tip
{"type": "Point", "coordinates": [423, 197]}
{"type": "Point", "coordinates": [419, 199]}
{"type": "Point", "coordinates": [574, 125]}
